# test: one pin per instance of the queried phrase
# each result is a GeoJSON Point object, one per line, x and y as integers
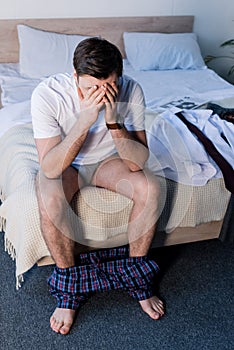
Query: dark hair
{"type": "Point", "coordinates": [97, 57]}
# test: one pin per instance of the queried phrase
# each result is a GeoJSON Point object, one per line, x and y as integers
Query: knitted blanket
{"type": "Point", "coordinates": [103, 214]}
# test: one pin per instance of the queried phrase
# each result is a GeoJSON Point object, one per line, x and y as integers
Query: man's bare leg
{"type": "Point", "coordinates": [53, 197]}
{"type": "Point", "coordinates": [143, 189]}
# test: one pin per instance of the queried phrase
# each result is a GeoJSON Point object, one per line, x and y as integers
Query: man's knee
{"type": "Point", "coordinates": [146, 186]}
{"type": "Point", "coordinates": [50, 194]}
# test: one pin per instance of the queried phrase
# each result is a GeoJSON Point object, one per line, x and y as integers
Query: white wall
{"type": "Point", "coordinates": [214, 24]}
{"type": "Point", "coordinates": [214, 19]}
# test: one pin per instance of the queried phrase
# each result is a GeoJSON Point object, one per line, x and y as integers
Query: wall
{"type": "Point", "coordinates": [214, 24]}
{"type": "Point", "coordinates": [214, 19]}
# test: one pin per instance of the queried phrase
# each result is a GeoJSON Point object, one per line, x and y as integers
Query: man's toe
{"type": "Point", "coordinates": [155, 315]}
{"type": "Point", "coordinates": [56, 326]}
{"type": "Point", "coordinates": [159, 308]}
{"type": "Point", "coordinates": [65, 329]}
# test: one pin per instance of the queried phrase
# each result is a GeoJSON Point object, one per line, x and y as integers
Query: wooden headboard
{"type": "Point", "coordinates": [110, 28]}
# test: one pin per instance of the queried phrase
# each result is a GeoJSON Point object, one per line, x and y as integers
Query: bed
{"type": "Point", "coordinates": [192, 207]}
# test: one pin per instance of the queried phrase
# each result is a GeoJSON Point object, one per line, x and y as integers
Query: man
{"type": "Point", "coordinates": [81, 140]}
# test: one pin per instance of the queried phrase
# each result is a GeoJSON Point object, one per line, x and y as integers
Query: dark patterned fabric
{"type": "Point", "coordinates": [103, 270]}
{"type": "Point", "coordinates": [224, 113]}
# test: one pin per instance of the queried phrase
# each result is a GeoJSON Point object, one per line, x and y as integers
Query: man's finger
{"type": "Point", "coordinates": [81, 97]}
{"type": "Point", "coordinates": [111, 89]}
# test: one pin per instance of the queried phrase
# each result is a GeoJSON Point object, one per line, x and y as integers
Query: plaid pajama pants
{"type": "Point", "coordinates": [103, 270]}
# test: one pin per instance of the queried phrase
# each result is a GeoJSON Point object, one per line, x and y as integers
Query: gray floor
{"type": "Point", "coordinates": [196, 282]}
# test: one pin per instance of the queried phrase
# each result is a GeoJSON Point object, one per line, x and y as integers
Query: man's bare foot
{"type": "Point", "coordinates": [62, 320]}
{"type": "Point", "coordinates": [153, 307]}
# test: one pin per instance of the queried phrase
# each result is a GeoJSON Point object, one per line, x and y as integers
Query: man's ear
{"type": "Point", "coordinates": [75, 77]}
{"type": "Point", "coordinates": [80, 93]}
{"type": "Point", "coordinates": [77, 84]}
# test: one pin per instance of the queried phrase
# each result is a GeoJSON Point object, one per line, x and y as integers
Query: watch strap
{"type": "Point", "coordinates": [113, 126]}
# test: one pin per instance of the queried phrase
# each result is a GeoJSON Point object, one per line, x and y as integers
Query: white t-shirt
{"type": "Point", "coordinates": [55, 109]}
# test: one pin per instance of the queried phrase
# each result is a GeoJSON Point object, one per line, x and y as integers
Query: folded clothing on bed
{"type": "Point", "coordinates": [180, 154]}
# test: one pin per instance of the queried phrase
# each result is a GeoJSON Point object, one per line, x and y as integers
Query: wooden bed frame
{"type": "Point", "coordinates": [111, 29]}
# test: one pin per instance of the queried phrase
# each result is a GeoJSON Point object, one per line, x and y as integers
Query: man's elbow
{"type": "Point", "coordinates": [50, 174]}
{"type": "Point", "coordinates": [137, 166]}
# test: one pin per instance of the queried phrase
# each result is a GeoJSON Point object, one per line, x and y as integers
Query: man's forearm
{"type": "Point", "coordinates": [131, 151]}
{"type": "Point", "coordinates": [62, 155]}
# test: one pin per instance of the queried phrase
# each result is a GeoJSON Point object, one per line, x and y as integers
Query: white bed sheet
{"type": "Point", "coordinates": [15, 88]}
{"type": "Point", "coordinates": [9, 69]}
{"type": "Point", "coordinates": [162, 87]}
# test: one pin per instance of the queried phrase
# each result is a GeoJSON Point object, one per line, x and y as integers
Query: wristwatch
{"type": "Point", "coordinates": [118, 125]}
{"type": "Point", "coordinates": [113, 126]}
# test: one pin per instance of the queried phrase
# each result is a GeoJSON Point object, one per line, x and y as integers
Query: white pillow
{"type": "Point", "coordinates": [159, 51]}
{"type": "Point", "coordinates": [45, 53]}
